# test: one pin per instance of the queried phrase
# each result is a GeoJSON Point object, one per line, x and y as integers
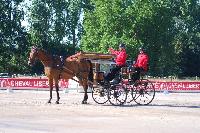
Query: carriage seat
{"type": "Point", "coordinates": [127, 72]}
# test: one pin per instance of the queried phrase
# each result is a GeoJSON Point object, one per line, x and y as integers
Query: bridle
{"type": "Point", "coordinates": [34, 52]}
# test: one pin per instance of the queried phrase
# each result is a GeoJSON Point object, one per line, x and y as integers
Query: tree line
{"type": "Point", "coordinates": [169, 30]}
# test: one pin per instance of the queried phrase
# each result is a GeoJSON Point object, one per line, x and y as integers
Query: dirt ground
{"type": "Point", "coordinates": [28, 112]}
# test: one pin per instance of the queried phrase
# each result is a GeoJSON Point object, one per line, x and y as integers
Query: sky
{"type": "Point", "coordinates": [24, 5]}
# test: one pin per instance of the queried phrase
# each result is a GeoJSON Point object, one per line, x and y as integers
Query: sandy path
{"type": "Point", "coordinates": [27, 112]}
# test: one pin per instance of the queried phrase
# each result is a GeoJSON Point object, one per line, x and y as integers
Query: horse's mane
{"type": "Point", "coordinates": [48, 53]}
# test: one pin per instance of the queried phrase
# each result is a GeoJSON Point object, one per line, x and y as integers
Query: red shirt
{"type": "Point", "coordinates": [120, 56]}
{"type": "Point", "coordinates": [142, 61]}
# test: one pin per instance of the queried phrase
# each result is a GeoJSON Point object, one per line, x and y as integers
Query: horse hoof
{"type": "Point", "coordinates": [49, 102]}
{"type": "Point", "coordinates": [57, 102]}
{"type": "Point", "coordinates": [84, 102]}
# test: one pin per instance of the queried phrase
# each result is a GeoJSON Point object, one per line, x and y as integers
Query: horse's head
{"type": "Point", "coordinates": [33, 55]}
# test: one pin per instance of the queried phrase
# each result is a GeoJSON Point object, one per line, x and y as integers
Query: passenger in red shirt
{"type": "Point", "coordinates": [141, 64]}
{"type": "Point", "coordinates": [120, 62]}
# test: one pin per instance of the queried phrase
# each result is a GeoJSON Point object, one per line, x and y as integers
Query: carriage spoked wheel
{"type": "Point", "coordinates": [131, 93]}
{"type": "Point", "coordinates": [117, 94]}
{"type": "Point", "coordinates": [99, 94]}
{"type": "Point", "coordinates": [144, 92]}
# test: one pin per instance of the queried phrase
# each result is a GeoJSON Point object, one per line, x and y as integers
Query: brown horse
{"type": "Point", "coordinates": [55, 69]}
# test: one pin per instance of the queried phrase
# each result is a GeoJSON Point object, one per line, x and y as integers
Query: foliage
{"type": "Point", "coordinates": [13, 37]}
{"type": "Point", "coordinates": [168, 29]}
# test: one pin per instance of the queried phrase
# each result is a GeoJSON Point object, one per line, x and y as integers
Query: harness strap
{"type": "Point", "coordinates": [77, 75]}
{"type": "Point", "coordinates": [75, 80]}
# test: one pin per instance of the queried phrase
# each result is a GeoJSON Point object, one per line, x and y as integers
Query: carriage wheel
{"type": "Point", "coordinates": [130, 93]}
{"type": "Point", "coordinates": [117, 95]}
{"type": "Point", "coordinates": [99, 95]}
{"type": "Point", "coordinates": [144, 92]}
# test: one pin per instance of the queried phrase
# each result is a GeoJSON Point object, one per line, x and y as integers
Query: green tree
{"type": "Point", "coordinates": [13, 37]}
{"type": "Point", "coordinates": [168, 29]}
{"type": "Point", "coordinates": [187, 37]}
{"type": "Point", "coordinates": [107, 25]}
{"type": "Point", "coordinates": [57, 23]}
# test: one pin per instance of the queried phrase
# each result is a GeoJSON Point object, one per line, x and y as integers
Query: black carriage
{"type": "Point", "coordinates": [125, 91]}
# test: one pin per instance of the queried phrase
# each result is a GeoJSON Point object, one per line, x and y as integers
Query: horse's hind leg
{"type": "Point", "coordinates": [57, 92]}
{"type": "Point", "coordinates": [51, 89]}
{"type": "Point", "coordinates": [85, 95]}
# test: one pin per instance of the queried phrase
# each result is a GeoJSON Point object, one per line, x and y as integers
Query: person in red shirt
{"type": "Point", "coordinates": [120, 61]}
{"type": "Point", "coordinates": [141, 64]}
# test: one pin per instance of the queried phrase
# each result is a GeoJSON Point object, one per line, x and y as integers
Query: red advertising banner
{"type": "Point", "coordinates": [177, 86]}
{"type": "Point", "coordinates": [25, 83]}
{"type": "Point", "coordinates": [37, 83]}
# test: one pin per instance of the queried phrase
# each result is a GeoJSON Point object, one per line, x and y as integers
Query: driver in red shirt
{"type": "Point", "coordinates": [120, 62]}
{"type": "Point", "coordinates": [141, 64]}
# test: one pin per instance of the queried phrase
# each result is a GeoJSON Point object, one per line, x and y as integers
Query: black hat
{"type": "Point", "coordinates": [141, 49]}
{"type": "Point", "coordinates": [122, 45]}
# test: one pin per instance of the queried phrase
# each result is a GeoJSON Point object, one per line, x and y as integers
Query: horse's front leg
{"type": "Point", "coordinates": [85, 87]}
{"type": "Point", "coordinates": [57, 92]}
{"type": "Point", "coordinates": [50, 90]}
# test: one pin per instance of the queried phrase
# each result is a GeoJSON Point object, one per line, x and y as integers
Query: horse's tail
{"type": "Point", "coordinates": [90, 76]}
